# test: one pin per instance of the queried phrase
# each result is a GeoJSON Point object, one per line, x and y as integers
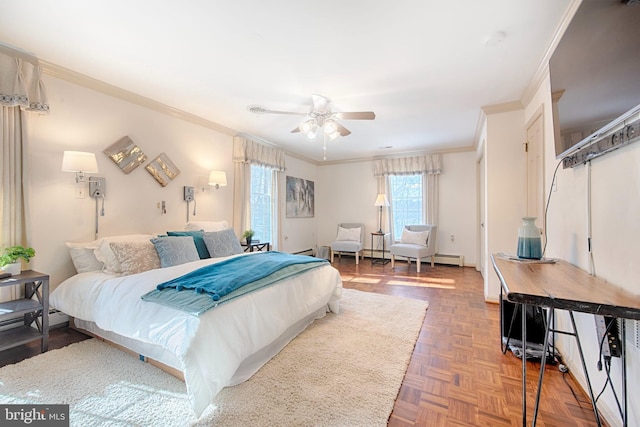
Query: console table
{"type": "Point", "coordinates": [563, 286]}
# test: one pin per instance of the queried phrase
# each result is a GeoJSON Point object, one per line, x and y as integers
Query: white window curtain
{"type": "Point", "coordinates": [430, 166]}
{"type": "Point", "coordinates": [245, 153]}
{"type": "Point", "coordinates": [21, 90]}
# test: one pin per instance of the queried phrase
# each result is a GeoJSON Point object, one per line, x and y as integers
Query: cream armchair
{"type": "Point", "coordinates": [416, 244]}
{"type": "Point", "coordinates": [350, 239]}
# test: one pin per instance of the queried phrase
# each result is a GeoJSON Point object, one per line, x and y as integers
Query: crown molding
{"type": "Point", "coordinates": [108, 89]}
{"type": "Point", "coordinates": [543, 68]}
{"type": "Point", "coordinates": [505, 107]}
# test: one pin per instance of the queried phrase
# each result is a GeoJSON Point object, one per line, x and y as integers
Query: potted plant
{"type": "Point", "coordinates": [10, 260]}
{"type": "Point", "coordinates": [248, 236]}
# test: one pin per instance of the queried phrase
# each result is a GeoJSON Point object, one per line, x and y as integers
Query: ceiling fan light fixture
{"type": "Point", "coordinates": [330, 127]}
{"type": "Point", "coordinates": [311, 134]}
{"type": "Point", "coordinates": [308, 126]}
{"type": "Point", "coordinates": [334, 135]}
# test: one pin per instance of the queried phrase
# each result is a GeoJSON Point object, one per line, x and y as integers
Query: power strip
{"type": "Point", "coordinates": [608, 325]}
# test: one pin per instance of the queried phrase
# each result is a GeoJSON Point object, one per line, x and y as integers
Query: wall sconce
{"type": "Point", "coordinates": [218, 179]}
{"type": "Point", "coordinates": [82, 162]}
{"type": "Point", "coordinates": [79, 162]}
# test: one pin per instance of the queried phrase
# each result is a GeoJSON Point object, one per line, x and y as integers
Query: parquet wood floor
{"type": "Point", "coordinates": [457, 375]}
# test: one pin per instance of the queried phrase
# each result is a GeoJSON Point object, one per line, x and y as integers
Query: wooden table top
{"type": "Point", "coordinates": [562, 285]}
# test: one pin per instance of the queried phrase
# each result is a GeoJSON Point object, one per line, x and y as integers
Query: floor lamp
{"type": "Point", "coordinates": [381, 201]}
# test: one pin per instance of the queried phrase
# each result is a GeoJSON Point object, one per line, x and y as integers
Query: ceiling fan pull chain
{"type": "Point", "coordinates": [324, 147]}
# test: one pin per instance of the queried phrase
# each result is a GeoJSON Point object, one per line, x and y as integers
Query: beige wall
{"type": "Point", "coordinates": [615, 193]}
{"type": "Point", "coordinates": [86, 120]}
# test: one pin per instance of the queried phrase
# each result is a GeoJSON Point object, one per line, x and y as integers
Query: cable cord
{"type": "Point", "coordinates": [546, 208]}
{"type": "Point", "coordinates": [607, 370]}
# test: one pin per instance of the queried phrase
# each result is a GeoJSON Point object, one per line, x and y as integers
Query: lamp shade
{"type": "Point", "coordinates": [79, 161]}
{"type": "Point", "coordinates": [218, 178]}
{"type": "Point", "coordinates": [381, 200]}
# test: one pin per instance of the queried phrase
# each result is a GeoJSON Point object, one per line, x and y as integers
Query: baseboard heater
{"type": "Point", "coordinates": [450, 259]}
{"type": "Point", "coordinates": [440, 258]}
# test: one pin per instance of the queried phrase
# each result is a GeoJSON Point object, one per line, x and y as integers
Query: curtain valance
{"type": "Point", "coordinates": [21, 85]}
{"type": "Point", "coordinates": [428, 164]}
{"type": "Point", "coordinates": [248, 151]}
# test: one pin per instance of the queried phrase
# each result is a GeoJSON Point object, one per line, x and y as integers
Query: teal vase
{"type": "Point", "coordinates": [529, 241]}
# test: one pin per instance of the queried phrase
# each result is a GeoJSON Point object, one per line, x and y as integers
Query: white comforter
{"type": "Point", "coordinates": [210, 347]}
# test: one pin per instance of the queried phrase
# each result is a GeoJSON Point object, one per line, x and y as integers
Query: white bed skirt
{"type": "Point", "coordinates": [247, 368]}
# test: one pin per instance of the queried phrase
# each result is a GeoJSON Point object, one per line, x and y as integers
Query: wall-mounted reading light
{"type": "Point", "coordinates": [218, 179]}
{"type": "Point", "coordinates": [79, 162]}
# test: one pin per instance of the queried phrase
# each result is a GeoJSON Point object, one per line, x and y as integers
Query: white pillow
{"type": "Point", "coordinates": [348, 234]}
{"type": "Point", "coordinates": [105, 255]}
{"type": "Point", "coordinates": [83, 256]}
{"type": "Point", "coordinates": [207, 225]}
{"type": "Point", "coordinates": [415, 237]}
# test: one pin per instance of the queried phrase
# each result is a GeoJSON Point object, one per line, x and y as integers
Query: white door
{"type": "Point", "coordinates": [482, 229]}
{"type": "Point", "coordinates": [535, 171]}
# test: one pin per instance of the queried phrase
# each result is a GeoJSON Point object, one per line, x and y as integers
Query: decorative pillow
{"type": "Point", "coordinates": [207, 225]}
{"type": "Point", "coordinates": [175, 250]}
{"type": "Point", "coordinates": [222, 243]}
{"type": "Point", "coordinates": [105, 255]}
{"type": "Point", "coordinates": [135, 257]}
{"type": "Point", "coordinates": [83, 256]}
{"type": "Point", "coordinates": [414, 237]}
{"type": "Point", "coordinates": [203, 252]}
{"type": "Point", "coordinates": [348, 234]}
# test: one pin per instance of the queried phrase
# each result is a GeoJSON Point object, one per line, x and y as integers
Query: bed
{"type": "Point", "coordinates": [220, 347]}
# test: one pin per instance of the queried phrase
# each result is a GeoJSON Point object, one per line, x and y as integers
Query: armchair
{"type": "Point", "coordinates": [412, 248]}
{"type": "Point", "coordinates": [350, 239]}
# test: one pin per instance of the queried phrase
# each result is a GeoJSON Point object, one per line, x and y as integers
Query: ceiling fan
{"type": "Point", "coordinates": [320, 117]}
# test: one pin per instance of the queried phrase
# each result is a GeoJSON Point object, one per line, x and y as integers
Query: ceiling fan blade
{"type": "Point", "coordinates": [297, 129]}
{"type": "Point", "coordinates": [356, 115]}
{"type": "Point", "coordinates": [343, 131]}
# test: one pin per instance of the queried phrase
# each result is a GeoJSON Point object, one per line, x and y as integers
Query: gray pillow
{"type": "Point", "coordinates": [175, 250]}
{"type": "Point", "coordinates": [222, 243]}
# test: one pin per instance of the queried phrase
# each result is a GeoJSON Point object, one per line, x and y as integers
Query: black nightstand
{"type": "Point", "coordinates": [382, 260]}
{"type": "Point", "coordinates": [32, 310]}
{"type": "Point", "coordinates": [256, 247]}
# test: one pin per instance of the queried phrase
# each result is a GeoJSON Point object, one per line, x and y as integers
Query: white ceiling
{"type": "Point", "coordinates": [424, 67]}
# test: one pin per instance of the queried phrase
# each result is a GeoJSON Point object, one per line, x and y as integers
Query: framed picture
{"type": "Point", "coordinates": [300, 198]}
{"type": "Point", "coordinates": [163, 169]}
{"type": "Point", "coordinates": [126, 154]}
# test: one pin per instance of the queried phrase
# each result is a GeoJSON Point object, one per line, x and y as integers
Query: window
{"type": "Point", "coordinates": [262, 202]}
{"type": "Point", "coordinates": [406, 201]}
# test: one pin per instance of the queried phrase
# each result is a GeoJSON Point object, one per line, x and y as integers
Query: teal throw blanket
{"type": "Point", "coordinates": [214, 284]}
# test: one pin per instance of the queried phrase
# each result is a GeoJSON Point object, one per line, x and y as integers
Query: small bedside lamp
{"type": "Point", "coordinates": [381, 201]}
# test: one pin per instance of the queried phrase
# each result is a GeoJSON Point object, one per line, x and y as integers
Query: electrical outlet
{"type": "Point", "coordinates": [80, 192]}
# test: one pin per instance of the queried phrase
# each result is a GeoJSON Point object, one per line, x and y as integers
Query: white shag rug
{"type": "Point", "coordinates": [343, 370]}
